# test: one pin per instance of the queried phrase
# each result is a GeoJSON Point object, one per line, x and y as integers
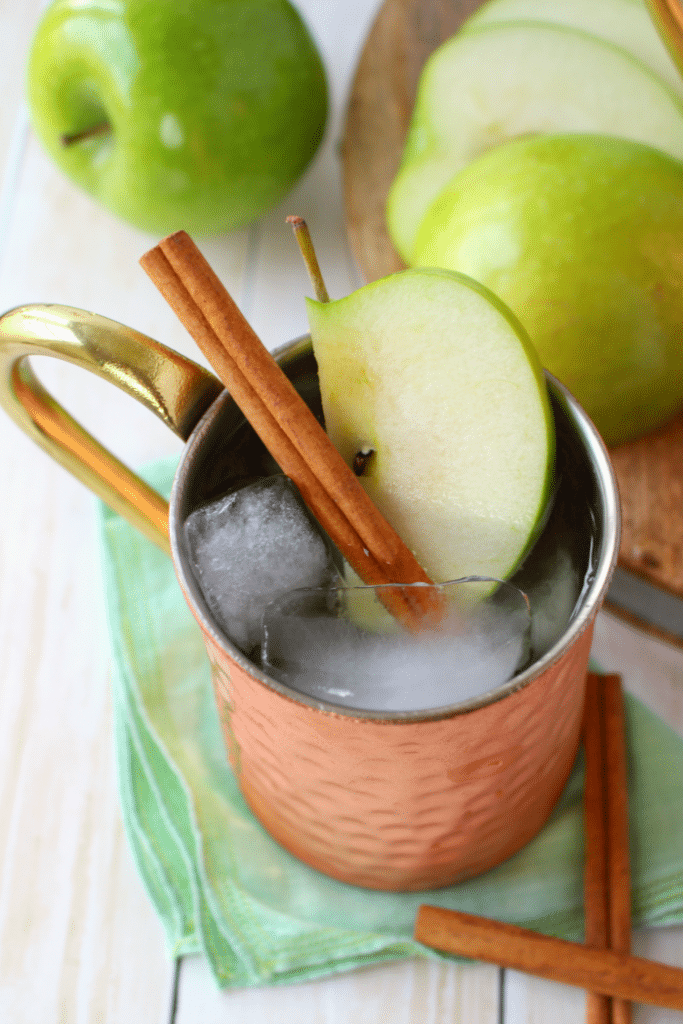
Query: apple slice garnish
{"type": "Point", "coordinates": [434, 379]}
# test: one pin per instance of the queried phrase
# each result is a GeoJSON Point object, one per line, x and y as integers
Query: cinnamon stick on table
{"type": "Point", "coordinates": [618, 859]}
{"type": "Point", "coordinates": [572, 963]}
{"type": "Point", "coordinates": [607, 891]}
{"type": "Point", "coordinates": [603, 964]}
{"type": "Point", "coordinates": [289, 430]}
{"type": "Point", "coordinates": [596, 900]}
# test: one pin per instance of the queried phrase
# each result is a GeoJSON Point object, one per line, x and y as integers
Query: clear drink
{"type": "Point", "coordinates": [252, 578]}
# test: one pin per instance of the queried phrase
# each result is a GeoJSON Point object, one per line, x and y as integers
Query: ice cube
{"type": "Point", "coordinates": [333, 659]}
{"type": "Point", "coordinates": [252, 545]}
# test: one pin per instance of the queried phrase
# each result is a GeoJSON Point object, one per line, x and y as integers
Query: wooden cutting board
{"type": "Point", "coordinates": [649, 471]}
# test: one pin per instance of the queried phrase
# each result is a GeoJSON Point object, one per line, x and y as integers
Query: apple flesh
{"type": "Point", "coordinates": [192, 114]}
{"type": "Point", "coordinates": [581, 237]}
{"type": "Point", "coordinates": [626, 23]}
{"type": "Point", "coordinates": [491, 84]}
{"type": "Point", "coordinates": [434, 377]}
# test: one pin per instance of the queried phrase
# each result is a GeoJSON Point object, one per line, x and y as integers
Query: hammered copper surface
{"type": "Point", "coordinates": [403, 804]}
{"type": "Point", "coordinates": [400, 801]}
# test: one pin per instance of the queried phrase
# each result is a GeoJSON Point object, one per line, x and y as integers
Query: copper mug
{"type": "Point", "coordinates": [387, 800]}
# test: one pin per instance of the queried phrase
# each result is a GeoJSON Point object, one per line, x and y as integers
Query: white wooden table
{"type": "Point", "coordinates": [79, 942]}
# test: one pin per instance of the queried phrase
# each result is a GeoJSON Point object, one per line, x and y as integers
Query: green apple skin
{"type": "Point", "coordinates": [582, 236]}
{"type": "Point", "coordinates": [496, 82]}
{"type": "Point", "coordinates": [626, 23]}
{"type": "Point", "coordinates": [437, 377]}
{"type": "Point", "coordinates": [215, 107]}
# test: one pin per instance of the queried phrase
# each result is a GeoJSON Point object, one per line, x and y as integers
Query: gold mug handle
{"type": "Point", "coordinates": [176, 389]}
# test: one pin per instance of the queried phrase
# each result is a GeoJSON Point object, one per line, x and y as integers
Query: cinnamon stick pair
{"type": "Point", "coordinates": [290, 431]}
{"type": "Point", "coordinates": [607, 883]}
{"type": "Point", "coordinates": [603, 965]}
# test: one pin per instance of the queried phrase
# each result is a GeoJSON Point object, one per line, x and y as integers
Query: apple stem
{"type": "Point", "coordinates": [303, 237]}
{"type": "Point", "coordinates": [103, 128]}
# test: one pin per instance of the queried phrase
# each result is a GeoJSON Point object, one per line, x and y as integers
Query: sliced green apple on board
{"type": "Point", "coordinates": [626, 23]}
{"type": "Point", "coordinates": [581, 237]}
{"type": "Point", "coordinates": [430, 373]}
{"type": "Point", "coordinates": [487, 85]}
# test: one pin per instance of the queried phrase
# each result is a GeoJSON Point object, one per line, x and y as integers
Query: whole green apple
{"type": "Point", "coordinates": [582, 236]}
{"type": "Point", "coordinates": [198, 114]}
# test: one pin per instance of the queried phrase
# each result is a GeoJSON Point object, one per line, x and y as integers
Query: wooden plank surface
{"type": "Point", "coordinates": [414, 992]}
{"type": "Point", "coordinates": [380, 105]}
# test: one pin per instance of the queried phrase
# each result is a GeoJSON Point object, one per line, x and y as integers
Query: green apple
{"type": "Point", "coordinates": [195, 114]}
{"type": "Point", "coordinates": [582, 236]}
{"type": "Point", "coordinates": [487, 85]}
{"type": "Point", "coordinates": [432, 375]}
{"type": "Point", "coordinates": [626, 23]}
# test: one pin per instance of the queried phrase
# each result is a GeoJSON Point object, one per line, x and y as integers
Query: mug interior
{"type": "Point", "coordinates": [224, 453]}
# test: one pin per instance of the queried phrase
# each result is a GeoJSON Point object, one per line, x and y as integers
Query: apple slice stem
{"type": "Point", "coordinates": [303, 237]}
{"type": "Point", "coordinates": [103, 128]}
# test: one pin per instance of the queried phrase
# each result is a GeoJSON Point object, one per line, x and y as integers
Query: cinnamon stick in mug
{"type": "Point", "coordinates": [289, 429]}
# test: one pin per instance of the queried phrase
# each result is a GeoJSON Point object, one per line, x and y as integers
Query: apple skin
{"type": "Point", "coordinates": [216, 107]}
{"type": "Point", "coordinates": [582, 236]}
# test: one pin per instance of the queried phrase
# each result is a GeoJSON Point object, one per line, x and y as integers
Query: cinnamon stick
{"type": "Point", "coordinates": [618, 860]}
{"type": "Point", "coordinates": [596, 903]}
{"type": "Point", "coordinates": [572, 963]}
{"type": "Point", "coordinates": [289, 430]}
{"type": "Point", "coordinates": [607, 889]}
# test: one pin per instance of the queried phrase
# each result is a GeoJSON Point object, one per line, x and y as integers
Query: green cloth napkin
{"type": "Point", "coordinates": [223, 887]}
